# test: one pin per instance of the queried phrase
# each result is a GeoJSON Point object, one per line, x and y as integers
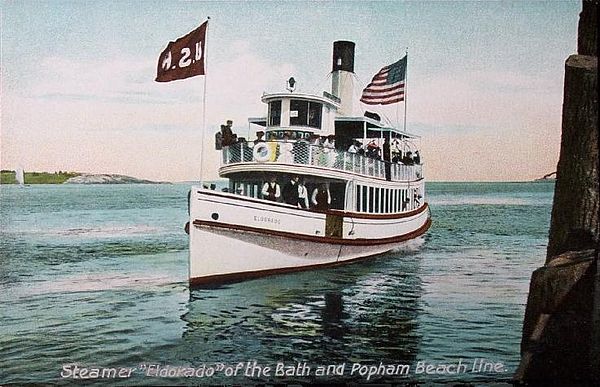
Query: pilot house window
{"type": "Point", "coordinates": [275, 113]}
{"type": "Point", "coordinates": [305, 113]}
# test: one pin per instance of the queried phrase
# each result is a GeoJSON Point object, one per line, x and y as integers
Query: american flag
{"type": "Point", "coordinates": [387, 86]}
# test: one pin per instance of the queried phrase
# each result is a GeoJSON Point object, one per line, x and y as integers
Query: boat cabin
{"type": "Point", "coordinates": [366, 166]}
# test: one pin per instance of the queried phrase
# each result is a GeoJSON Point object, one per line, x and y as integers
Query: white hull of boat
{"type": "Point", "coordinates": [234, 238]}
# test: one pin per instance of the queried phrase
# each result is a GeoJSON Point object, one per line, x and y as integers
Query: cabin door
{"type": "Point", "coordinates": [333, 226]}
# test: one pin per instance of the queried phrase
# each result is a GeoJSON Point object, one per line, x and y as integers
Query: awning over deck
{"type": "Point", "coordinates": [260, 121]}
{"type": "Point", "coordinates": [354, 127]}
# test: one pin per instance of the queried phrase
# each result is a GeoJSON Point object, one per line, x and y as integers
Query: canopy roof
{"type": "Point", "coordinates": [354, 127]}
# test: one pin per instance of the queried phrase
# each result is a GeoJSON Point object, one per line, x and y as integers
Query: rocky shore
{"type": "Point", "coordinates": [86, 178]}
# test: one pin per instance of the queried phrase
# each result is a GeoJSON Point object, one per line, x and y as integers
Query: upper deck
{"type": "Point", "coordinates": [304, 134]}
{"type": "Point", "coordinates": [326, 145]}
{"type": "Point", "coordinates": [303, 158]}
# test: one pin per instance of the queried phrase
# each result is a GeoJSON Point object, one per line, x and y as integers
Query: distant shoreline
{"type": "Point", "coordinates": [60, 177]}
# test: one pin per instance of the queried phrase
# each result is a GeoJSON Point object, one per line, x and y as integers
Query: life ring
{"type": "Point", "coordinates": [261, 152]}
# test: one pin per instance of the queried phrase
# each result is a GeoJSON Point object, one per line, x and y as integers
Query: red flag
{"type": "Point", "coordinates": [184, 57]}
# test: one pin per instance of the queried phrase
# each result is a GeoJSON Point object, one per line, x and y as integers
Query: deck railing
{"type": "Point", "coordinates": [303, 153]}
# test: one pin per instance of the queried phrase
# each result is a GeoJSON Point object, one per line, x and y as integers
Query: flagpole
{"type": "Point", "coordinates": [405, 88]}
{"type": "Point", "coordinates": [398, 114]}
{"type": "Point", "coordinates": [204, 104]}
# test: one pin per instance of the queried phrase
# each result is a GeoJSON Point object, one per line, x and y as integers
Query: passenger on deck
{"type": "Point", "coordinates": [329, 142]}
{"type": "Point", "coordinates": [408, 159]}
{"type": "Point", "coordinates": [354, 147]}
{"type": "Point", "coordinates": [285, 149]}
{"type": "Point", "coordinates": [290, 191]}
{"type": "Point", "coordinates": [417, 158]}
{"type": "Point", "coordinates": [397, 156]}
{"type": "Point", "coordinates": [316, 152]}
{"type": "Point", "coordinates": [321, 197]}
{"type": "Point", "coordinates": [386, 157]}
{"type": "Point", "coordinates": [315, 139]}
{"type": "Point", "coordinates": [259, 137]}
{"type": "Point", "coordinates": [405, 204]}
{"type": "Point", "coordinates": [396, 152]}
{"type": "Point", "coordinates": [373, 150]}
{"type": "Point", "coordinates": [387, 151]}
{"type": "Point", "coordinates": [329, 149]}
{"type": "Point", "coordinates": [417, 198]}
{"type": "Point", "coordinates": [271, 190]}
{"type": "Point", "coordinates": [227, 135]}
{"type": "Point", "coordinates": [302, 194]}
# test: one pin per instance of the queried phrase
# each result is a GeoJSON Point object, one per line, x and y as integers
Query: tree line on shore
{"type": "Point", "coordinates": [9, 177]}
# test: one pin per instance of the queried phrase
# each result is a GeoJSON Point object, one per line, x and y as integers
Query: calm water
{"type": "Point", "coordinates": [96, 276]}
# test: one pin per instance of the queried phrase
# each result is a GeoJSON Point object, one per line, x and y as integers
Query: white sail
{"type": "Point", "coordinates": [20, 176]}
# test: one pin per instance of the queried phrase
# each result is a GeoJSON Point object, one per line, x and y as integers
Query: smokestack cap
{"type": "Point", "coordinates": [343, 56]}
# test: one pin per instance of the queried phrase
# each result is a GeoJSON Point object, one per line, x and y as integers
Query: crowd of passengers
{"type": "Point", "coordinates": [295, 193]}
{"type": "Point", "coordinates": [391, 152]}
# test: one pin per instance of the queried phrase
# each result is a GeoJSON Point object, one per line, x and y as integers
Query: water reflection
{"type": "Point", "coordinates": [332, 315]}
{"type": "Point", "coordinates": [365, 312]}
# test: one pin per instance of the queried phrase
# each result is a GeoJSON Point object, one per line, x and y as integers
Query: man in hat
{"type": "Point", "coordinates": [271, 190]}
{"type": "Point", "coordinates": [387, 152]}
{"type": "Point", "coordinates": [290, 191]}
{"type": "Point", "coordinates": [259, 137]}
{"type": "Point", "coordinates": [329, 142]}
{"type": "Point", "coordinates": [286, 149]}
{"type": "Point", "coordinates": [302, 194]}
{"type": "Point", "coordinates": [227, 134]}
{"type": "Point", "coordinates": [408, 158]}
{"type": "Point", "coordinates": [329, 149]}
{"type": "Point", "coordinates": [321, 197]}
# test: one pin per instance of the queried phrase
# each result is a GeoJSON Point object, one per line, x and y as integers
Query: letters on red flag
{"type": "Point", "coordinates": [184, 57]}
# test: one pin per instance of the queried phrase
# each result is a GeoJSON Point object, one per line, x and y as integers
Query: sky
{"type": "Point", "coordinates": [484, 80]}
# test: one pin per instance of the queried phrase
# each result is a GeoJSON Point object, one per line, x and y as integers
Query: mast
{"type": "Point", "coordinates": [405, 88]}
{"type": "Point", "coordinates": [205, 53]}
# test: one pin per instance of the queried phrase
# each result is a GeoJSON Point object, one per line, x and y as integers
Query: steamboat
{"type": "Point", "coordinates": [319, 186]}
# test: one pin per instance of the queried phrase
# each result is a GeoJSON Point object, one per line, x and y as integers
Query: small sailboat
{"type": "Point", "coordinates": [20, 176]}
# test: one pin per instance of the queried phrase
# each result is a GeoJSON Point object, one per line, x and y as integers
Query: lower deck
{"type": "Point", "coordinates": [358, 196]}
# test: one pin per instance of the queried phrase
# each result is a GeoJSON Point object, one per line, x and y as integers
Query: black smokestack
{"type": "Point", "coordinates": [343, 56]}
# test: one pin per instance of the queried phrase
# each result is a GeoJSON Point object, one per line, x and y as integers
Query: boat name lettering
{"type": "Point", "coordinates": [266, 219]}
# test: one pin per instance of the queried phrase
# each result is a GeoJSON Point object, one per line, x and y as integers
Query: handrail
{"type": "Point", "coordinates": [304, 153]}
